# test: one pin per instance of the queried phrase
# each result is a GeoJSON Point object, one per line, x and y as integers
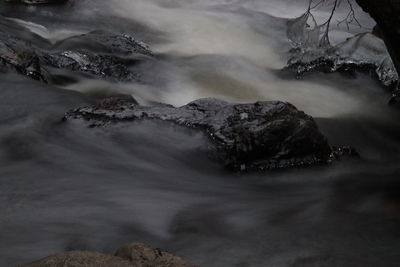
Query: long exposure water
{"type": "Point", "coordinates": [68, 187]}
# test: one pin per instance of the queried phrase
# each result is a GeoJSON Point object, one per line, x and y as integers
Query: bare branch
{"type": "Point", "coordinates": [349, 19]}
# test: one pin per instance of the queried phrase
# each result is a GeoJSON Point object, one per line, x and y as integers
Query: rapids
{"type": "Point", "coordinates": [65, 186]}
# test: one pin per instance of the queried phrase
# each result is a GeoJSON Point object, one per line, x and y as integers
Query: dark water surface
{"type": "Point", "coordinates": [64, 186]}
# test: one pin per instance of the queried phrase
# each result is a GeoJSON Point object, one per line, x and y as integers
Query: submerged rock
{"type": "Point", "coordinates": [101, 54]}
{"type": "Point", "coordinates": [130, 255]}
{"type": "Point", "coordinates": [259, 136]}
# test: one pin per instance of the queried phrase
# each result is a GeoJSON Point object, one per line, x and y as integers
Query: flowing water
{"type": "Point", "coordinates": [64, 186]}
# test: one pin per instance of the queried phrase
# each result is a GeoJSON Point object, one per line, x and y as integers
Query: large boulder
{"type": "Point", "coordinates": [130, 255]}
{"type": "Point", "coordinates": [258, 136]}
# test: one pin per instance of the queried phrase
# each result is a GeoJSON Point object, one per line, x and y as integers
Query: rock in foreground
{"type": "Point", "coordinates": [131, 255]}
{"type": "Point", "coordinates": [259, 136]}
{"type": "Point", "coordinates": [141, 255]}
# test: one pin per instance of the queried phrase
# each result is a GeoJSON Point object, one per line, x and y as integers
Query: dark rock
{"type": "Point", "coordinates": [328, 65]}
{"type": "Point", "coordinates": [104, 66]}
{"type": "Point", "coordinates": [130, 255]}
{"type": "Point", "coordinates": [101, 54]}
{"type": "Point", "coordinates": [143, 255]}
{"type": "Point", "coordinates": [363, 53]}
{"type": "Point", "coordinates": [386, 15]}
{"type": "Point", "coordinates": [115, 101]}
{"type": "Point", "coordinates": [395, 98]}
{"type": "Point", "coordinates": [366, 53]}
{"type": "Point", "coordinates": [104, 42]}
{"type": "Point", "coordinates": [259, 136]}
{"type": "Point", "coordinates": [344, 151]}
{"type": "Point", "coordinates": [19, 56]}
{"type": "Point", "coordinates": [377, 31]}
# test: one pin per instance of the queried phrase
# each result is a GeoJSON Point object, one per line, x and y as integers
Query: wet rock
{"type": "Point", "coordinates": [259, 136]}
{"type": "Point", "coordinates": [104, 42]}
{"type": "Point", "coordinates": [364, 53]}
{"type": "Point", "coordinates": [143, 255]}
{"type": "Point", "coordinates": [395, 98]}
{"type": "Point", "coordinates": [115, 101]}
{"type": "Point", "coordinates": [104, 66]}
{"type": "Point", "coordinates": [338, 152]}
{"type": "Point", "coordinates": [130, 255]}
{"type": "Point", "coordinates": [19, 56]}
{"type": "Point", "coordinates": [98, 54]}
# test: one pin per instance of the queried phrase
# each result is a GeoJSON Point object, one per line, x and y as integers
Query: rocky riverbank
{"type": "Point", "coordinates": [129, 255]}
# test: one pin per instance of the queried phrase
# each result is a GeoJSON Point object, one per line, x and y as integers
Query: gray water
{"type": "Point", "coordinates": [64, 186]}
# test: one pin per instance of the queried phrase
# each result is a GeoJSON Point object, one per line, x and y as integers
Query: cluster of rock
{"type": "Point", "coordinates": [100, 54]}
{"type": "Point", "coordinates": [130, 255]}
{"type": "Point", "coordinates": [259, 136]}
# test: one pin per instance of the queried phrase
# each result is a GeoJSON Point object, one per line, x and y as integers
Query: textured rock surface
{"type": "Point", "coordinates": [362, 53]}
{"type": "Point", "coordinates": [18, 55]}
{"type": "Point", "coordinates": [101, 54]}
{"type": "Point", "coordinates": [142, 255]}
{"type": "Point", "coordinates": [130, 255]}
{"type": "Point", "coordinates": [373, 53]}
{"type": "Point", "coordinates": [263, 135]}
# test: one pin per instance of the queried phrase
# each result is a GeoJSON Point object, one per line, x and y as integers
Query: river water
{"type": "Point", "coordinates": [65, 187]}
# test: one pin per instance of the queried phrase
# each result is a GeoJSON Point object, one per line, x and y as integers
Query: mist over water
{"type": "Point", "coordinates": [226, 49]}
{"type": "Point", "coordinates": [65, 186]}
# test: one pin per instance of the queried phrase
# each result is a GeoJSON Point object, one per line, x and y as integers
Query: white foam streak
{"type": "Point", "coordinates": [53, 36]}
